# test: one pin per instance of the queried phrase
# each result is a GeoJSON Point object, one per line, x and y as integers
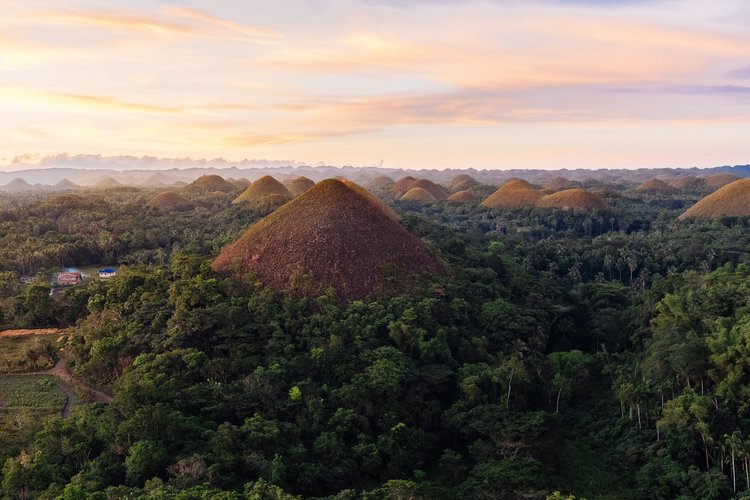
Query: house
{"type": "Point", "coordinates": [107, 273]}
{"type": "Point", "coordinates": [69, 278]}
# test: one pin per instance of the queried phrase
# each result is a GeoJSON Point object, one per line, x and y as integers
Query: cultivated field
{"type": "Point", "coordinates": [39, 393]}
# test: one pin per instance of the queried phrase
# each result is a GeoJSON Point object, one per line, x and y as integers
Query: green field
{"type": "Point", "coordinates": [33, 392]}
{"type": "Point", "coordinates": [28, 353]}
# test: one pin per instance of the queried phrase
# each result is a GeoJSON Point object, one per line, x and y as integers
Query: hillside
{"type": "Point", "coordinates": [514, 193]}
{"type": "Point", "coordinates": [168, 200]}
{"type": "Point", "coordinates": [209, 183]}
{"type": "Point", "coordinates": [418, 195]}
{"type": "Point", "coordinates": [331, 236]}
{"type": "Point", "coordinates": [732, 199]}
{"type": "Point", "coordinates": [264, 190]}
{"type": "Point", "coordinates": [573, 199]}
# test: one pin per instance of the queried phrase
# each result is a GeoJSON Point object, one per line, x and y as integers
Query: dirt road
{"type": "Point", "coordinates": [31, 331]}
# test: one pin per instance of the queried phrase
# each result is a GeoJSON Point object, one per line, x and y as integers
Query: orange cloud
{"type": "Point", "coordinates": [118, 20]}
{"type": "Point", "coordinates": [105, 103]}
{"type": "Point", "coordinates": [206, 20]}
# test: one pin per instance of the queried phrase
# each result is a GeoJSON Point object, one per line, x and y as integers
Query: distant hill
{"type": "Point", "coordinates": [418, 195]}
{"type": "Point", "coordinates": [264, 190]}
{"type": "Point", "coordinates": [572, 199]}
{"type": "Point", "coordinates": [17, 185]}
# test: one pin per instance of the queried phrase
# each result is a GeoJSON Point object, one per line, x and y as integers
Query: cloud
{"type": "Point", "coordinates": [221, 25]}
{"type": "Point", "coordinates": [105, 103]}
{"type": "Point", "coordinates": [117, 20]}
{"type": "Point", "coordinates": [687, 90]}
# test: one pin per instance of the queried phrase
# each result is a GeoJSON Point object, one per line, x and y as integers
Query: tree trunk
{"type": "Point", "coordinates": [557, 406]}
{"type": "Point", "coordinates": [510, 384]}
{"type": "Point", "coordinates": [638, 410]}
{"type": "Point", "coordinates": [734, 474]}
{"type": "Point", "coordinates": [747, 474]}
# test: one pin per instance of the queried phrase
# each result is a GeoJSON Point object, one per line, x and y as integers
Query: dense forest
{"type": "Point", "coordinates": [565, 354]}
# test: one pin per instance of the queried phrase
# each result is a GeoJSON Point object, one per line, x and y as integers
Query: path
{"type": "Point", "coordinates": [31, 331]}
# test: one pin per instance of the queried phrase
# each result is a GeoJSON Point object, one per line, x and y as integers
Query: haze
{"type": "Point", "coordinates": [503, 84]}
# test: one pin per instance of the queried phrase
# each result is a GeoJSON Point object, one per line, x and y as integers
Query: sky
{"type": "Point", "coordinates": [409, 83]}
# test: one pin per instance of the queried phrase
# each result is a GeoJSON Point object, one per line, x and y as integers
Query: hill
{"type": "Point", "coordinates": [17, 185]}
{"type": "Point", "coordinates": [462, 197]}
{"type": "Point", "coordinates": [65, 184]}
{"type": "Point", "coordinates": [732, 199]}
{"type": "Point", "coordinates": [656, 186]}
{"type": "Point", "coordinates": [381, 183]}
{"type": "Point", "coordinates": [107, 182]}
{"type": "Point", "coordinates": [264, 190]}
{"type": "Point", "coordinates": [514, 193]}
{"type": "Point", "coordinates": [429, 186]}
{"type": "Point", "coordinates": [720, 180]}
{"type": "Point", "coordinates": [299, 186]}
{"type": "Point", "coordinates": [572, 199]}
{"type": "Point", "coordinates": [463, 182]}
{"type": "Point", "coordinates": [558, 182]}
{"type": "Point", "coordinates": [209, 183]}
{"type": "Point", "coordinates": [168, 200]}
{"type": "Point", "coordinates": [418, 195]}
{"type": "Point", "coordinates": [689, 182]}
{"type": "Point", "coordinates": [403, 185]}
{"type": "Point", "coordinates": [331, 236]}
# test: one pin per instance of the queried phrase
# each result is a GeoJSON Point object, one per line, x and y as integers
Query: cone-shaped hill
{"type": "Point", "coordinates": [331, 236]}
{"type": "Point", "coordinates": [169, 200]}
{"type": "Point", "coordinates": [65, 184]}
{"type": "Point", "coordinates": [209, 183]}
{"type": "Point", "coordinates": [240, 183]}
{"type": "Point", "coordinates": [514, 193]}
{"type": "Point", "coordinates": [656, 186]}
{"type": "Point", "coordinates": [403, 185]}
{"type": "Point", "coordinates": [264, 191]}
{"type": "Point", "coordinates": [732, 199]}
{"type": "Point", "coordinates": [463, 180]}
{"type": "Point", "coordinates": [430, 187]}
{"type": "Point", "coordinates": [108, 182]}
{"type": "Point", "coordinates": [558, 182]}
{"type": "Point", "coordinates": [418, 195]}
{"type": "Point", "coordinates": [573, 199]}
{"type": "Point", "coordinates": [462, 197]}
{"type": "Point", "coordinates": [720, 180]}
{"type": "Point", "coordinates": [17, 185]}
{"type": "Point", "coordinates": [381, 183]}
{"type": "Point", "coordinates": [689, 182]}
{"type": "Point", "coordinates": [299, 186]}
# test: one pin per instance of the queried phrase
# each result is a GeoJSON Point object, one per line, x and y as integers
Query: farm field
{"type": "Point", "coordinates": [38, 393]}
{"type": "Point", "coordinates": [28, 353]}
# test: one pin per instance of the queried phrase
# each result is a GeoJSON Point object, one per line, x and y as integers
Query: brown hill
{"type": "Point", "coordinates": [168, 200]}
{"type": "Point", "coordinates": [240, 183]}
{"type": "Point", "coordinates": [732, 199]}
{"type": "Point", "coordinates": [572, 199]}
{"type": "Point", "coordinates": [430, 187]}
{"type": "Point", "coordinates": [689, 182]}
{"type": "Point", "coordinates": [514, 193]}
{"type": "Point", "coordinates": [107, 183]}
{"type": "Point", "coordinates": [403, 185]}
{"type": "Point", "coordinates": [463, 180]}
{"type": "Point", "coordinates": [547, 190]}
{"type": "Point", "coordinates": [383, 206]}
{"type": "Point", "coordinates": [656, 186]}
{"type": "Point", "coordinates": [264, 187]}
{"type": "Point", "coordinates": [299, 186]}
{"type": "Point", "coordinates": [209, 183]}
{"type": "Point", "coordinates": [65, 184]}
{"type": "Point", "coordinates": [17, 185]}
{"type": "Point", "coordinates": [67, 201]}
{"type": "Point", "coordinates": [717, 181]}
{"type": "Point", "coordinates": [331, 236]}
{"type": "Point", "coordinates": [381, 183]}
{"type": "Point", "coordinates": [418, 195]}
{"type": "Point", "coordinates": [462, 197]}
{"type": "Point", "coordinates": [557, 183]}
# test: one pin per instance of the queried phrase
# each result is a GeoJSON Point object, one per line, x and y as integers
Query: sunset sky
{"type": "Point", "coordinates": [414, 83]}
